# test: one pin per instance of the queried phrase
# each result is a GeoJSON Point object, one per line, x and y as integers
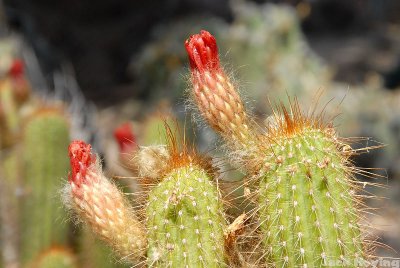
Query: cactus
{"type": "Point", "coordinates": [306, 203]}
{"type": "Point", "coordinates": [14, 91]}
{"type": "Point", "coordinates": [182, 207]}
{"type": "Point", "coordinates": [45, 140]}
{"type": "Point", "coordinates": [184, 218]}
{"type": "Point", "coordinates": [94, 252]}
{"type": "Point", "coordinates": [101, 205]}
{"type": "Point", "coordinates": [300, 183]}
{"type": "Point", "coordinates": [265, 45]}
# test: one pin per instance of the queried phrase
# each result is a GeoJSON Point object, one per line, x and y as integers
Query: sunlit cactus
{"type": "Point", "coordinates": [184, 214]}
{"type": "Point", "coordinates": [307, 207]}
{"type": "Point", "coordinates": [102, 206]}
{"type": "Point", "coordinates": [303, 206]}
{"type": "Point", "coordinates": [182, 207]}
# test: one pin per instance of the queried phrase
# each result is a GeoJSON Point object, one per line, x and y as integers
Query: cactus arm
{"type": "Point", "coordinates": [46, 138]}
{"type": "Point", "coordinates": [188, 231]}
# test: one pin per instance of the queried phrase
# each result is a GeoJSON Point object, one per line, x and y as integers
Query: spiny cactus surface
{"type": "Point", "coordinates": [185, 223]}
{"type": "Point", "coordinates": [102, 206]}
{"type": "Point", "coordinates": [306, 202]}
{"type": "Point", "coordinates": [307, 207]}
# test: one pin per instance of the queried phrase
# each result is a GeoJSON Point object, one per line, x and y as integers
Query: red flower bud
{"type": "Point", "coordinates": [202, 50]}
{"type": "Point", "coordinates": [81, 160]}
{"type": "Point", "coordinates": [215, 95]}
{"type": "Point", "coordinates": [100, 204]}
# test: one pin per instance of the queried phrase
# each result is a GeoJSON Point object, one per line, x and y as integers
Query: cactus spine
{"type": "Point", "coordinates": [306, 204]}
{"type": "Point", "coordinates": [46, 138]}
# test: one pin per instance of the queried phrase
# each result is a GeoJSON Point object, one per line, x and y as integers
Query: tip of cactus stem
{"type": "Point", "coordinates": [215, 96]}
{"type": "Point", "coordinates": [81, 159]}
{"type": "Point", "coordinates": [202, 50]}
{"type": "Point", "coordinates": [180, 153]}
{"type": "Point", "coordinates": [287, 121]}
{"type": "Point", "coordinates": [125, 137]}
{"type": "Point", "coordinates": [16, 68]}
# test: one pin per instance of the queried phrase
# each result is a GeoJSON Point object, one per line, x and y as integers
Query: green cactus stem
{"type": "Point", "coordinates": [184, 213]}
{"type": "Point", "coordinates": [185, 223]}
{"type": "Point", "coordinates": [306, 197]}
{"type": "Point", "coordinates": [45, 139]}
{"type": "Point", "coordinates": [307, 201]}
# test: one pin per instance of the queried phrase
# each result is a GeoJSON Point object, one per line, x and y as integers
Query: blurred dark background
{"type": "Point", "coordinates": [99, 38]}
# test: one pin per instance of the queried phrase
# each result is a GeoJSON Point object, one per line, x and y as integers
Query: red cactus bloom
{"type": "Point", "coordinates": [81, 160]}
{"type": "Point", "coordinates": [214, 94]}
{"type": "Point", "coordinates": [202, 50]}
{"type": "Point", "coordinates": [125, 137]}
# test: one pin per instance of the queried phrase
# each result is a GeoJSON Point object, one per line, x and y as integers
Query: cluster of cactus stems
{"type": "Point", "coordinates": [306, 203]}
{"type": "Point", "coordinates": [38, 175]}
{"type": "Point", "coordinates": [306, 206]}
{"type": "Point", "coordinates": [34, 136]}
{"type": "Point", "coordinates": [265, 46]}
